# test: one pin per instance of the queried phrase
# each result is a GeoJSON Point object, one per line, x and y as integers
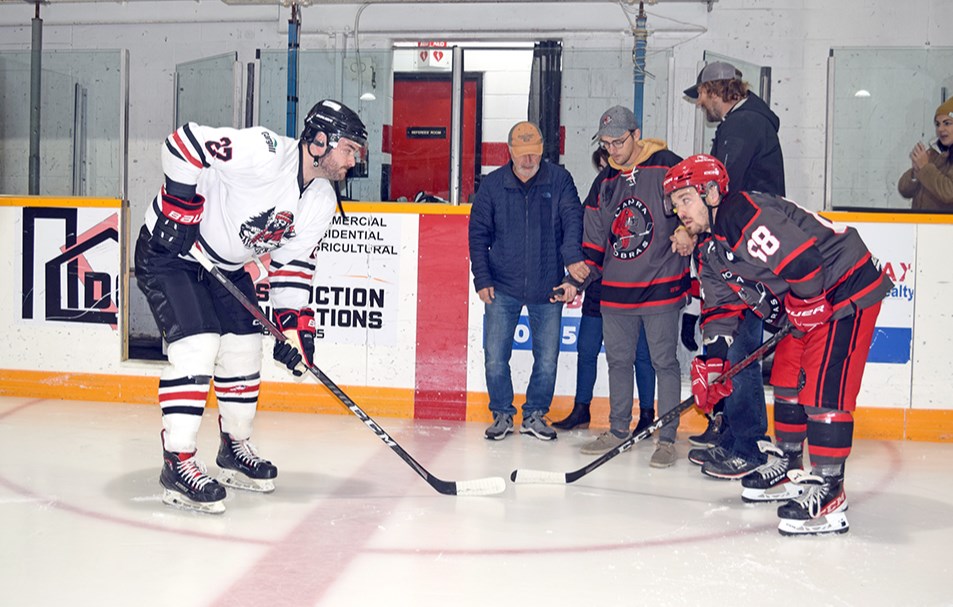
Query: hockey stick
{"type": "Point", "coordinates": [561, 478]}
{"type": "Point", "coordinates": [482, 486]}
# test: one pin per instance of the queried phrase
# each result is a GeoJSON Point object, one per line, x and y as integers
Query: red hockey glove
{"type": "Point", "coordinates": [807, 314]}
{"type": "Point", "coordinates": [704, 372]}
{"type": "Point", "coordinates": [177, 226]}
{"type": "Point", "coordinates": [298, 327]}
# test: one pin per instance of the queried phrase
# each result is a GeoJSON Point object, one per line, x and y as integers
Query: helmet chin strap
{"type": "Point", "coordinates": [711, 210]}
{"type": "Point", "coordinates": [316, 163]}
{"type": "Point", "coordinates": [316, 160]}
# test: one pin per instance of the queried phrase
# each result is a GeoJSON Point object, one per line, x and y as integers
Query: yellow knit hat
{"type": "Point", "coordinates": [946, 109]}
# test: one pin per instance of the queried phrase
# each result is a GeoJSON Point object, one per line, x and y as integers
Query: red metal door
{"type": "Point", "coordinates": [420, 138]}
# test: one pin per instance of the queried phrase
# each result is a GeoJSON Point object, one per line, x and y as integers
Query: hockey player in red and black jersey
{"type": "Point", "coordinates": [235, 194]}
{"type": "Point", "coordinates": [626, 243]}
{"type": "Point", "coordinates": [787, 264]}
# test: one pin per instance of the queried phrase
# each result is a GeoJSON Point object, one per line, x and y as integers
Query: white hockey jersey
{"type": "Point", "coordinates": [254, 203]}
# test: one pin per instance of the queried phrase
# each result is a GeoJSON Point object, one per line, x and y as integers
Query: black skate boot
{"type": "Point", "coordinates": [188, 486]}
{"type": "Point", "coordinates": [709, 438]}
{"type": "Point", "coordinates": [646, 417]}
{"type": "Point", "coordinates": [819, 511]}
{"type": "Point", "coordinates": [578, 418]}
{"type": "Point", "coordinates": [769, 482]}
{"type": "Point", "coordinates": [242, 467]}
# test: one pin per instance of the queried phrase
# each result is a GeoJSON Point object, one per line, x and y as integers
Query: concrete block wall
{"type": "Point", "coordinates": [793, 36]}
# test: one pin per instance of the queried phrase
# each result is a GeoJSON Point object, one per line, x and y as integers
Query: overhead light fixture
{"type": "Point", "coordinates": [369, 95]}
{"type": "Point", "coordinates": [862, 93]}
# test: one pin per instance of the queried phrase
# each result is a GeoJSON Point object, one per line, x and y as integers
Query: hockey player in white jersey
{"type": "Point", "coordinates": [235, 194]}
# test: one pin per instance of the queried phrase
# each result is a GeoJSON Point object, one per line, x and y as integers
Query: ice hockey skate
{"type": "Point", "coordinates": [819, 511]}
{"type": "Point", "coordinates": [769, 482]}
{"type": "Point", "coordinates": [188, 486]}
{"type": "Point", "coordinates": [243, 468]}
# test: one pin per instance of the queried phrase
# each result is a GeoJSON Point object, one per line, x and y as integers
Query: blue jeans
{"type": "Point", "coordinates": [499, 325]}
{"type": "Point", "coordinates": [588, 346]}
{"type": "Point", "coordinates": [745, 414]}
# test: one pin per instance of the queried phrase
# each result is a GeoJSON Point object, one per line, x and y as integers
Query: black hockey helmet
{"type": "Point", "coordinates": [336, 120]}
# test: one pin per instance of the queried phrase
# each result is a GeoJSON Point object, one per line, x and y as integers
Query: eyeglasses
{"type": "Point", "coordinates": [615, 144]}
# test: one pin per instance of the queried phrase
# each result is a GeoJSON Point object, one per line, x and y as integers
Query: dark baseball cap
{"type": "Point", "coordinates": [616, 122]}
{"type": "Point", "coordinates": [718, 70]}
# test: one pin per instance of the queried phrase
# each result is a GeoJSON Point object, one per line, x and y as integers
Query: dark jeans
{"type": "Point", "coordinates": [745, 416]}
{"type": "Point", "coordinates": [588, 346]}
{"type": "Point", "coordinates": [499, 324]}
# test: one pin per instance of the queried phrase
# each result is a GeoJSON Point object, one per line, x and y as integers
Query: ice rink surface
{"type": "Point", "coordinates": [351, 524]}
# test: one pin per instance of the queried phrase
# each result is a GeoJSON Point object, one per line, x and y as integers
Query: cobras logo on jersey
{"type": "Point", "coordinates": [268, 231]}
{"type": "Point", "coordinates": [756, 296]}
{"type": "Point", "coordinates": [632, 229]}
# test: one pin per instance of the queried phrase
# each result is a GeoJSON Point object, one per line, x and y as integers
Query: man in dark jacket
{"type": "Point", "coordinates": [525, 232]}
{"type": "Point", "coordinates": [746, 142]}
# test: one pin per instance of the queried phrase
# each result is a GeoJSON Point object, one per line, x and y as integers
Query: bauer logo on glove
{"type": "Point", "coordinates": [807, 314]}
{"type": "Point", "coordinates": [705, 389]}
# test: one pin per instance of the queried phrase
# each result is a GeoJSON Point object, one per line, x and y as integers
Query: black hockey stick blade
{"type": "Point", "coordinates": [482, 486]}
{"type": "Point", "coordinates": [564, 478]}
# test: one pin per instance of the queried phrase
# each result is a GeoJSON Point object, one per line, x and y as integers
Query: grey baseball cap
{"type": "Point", "coordinates": [616, 122]}
{"type": "Point", "coordinates": [719, 70]}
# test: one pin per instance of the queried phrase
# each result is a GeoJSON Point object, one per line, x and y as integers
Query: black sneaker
{"type": "Point", "coordinates": [731, 468]}
{"type": "Point", "coordinates": [709, 438]}
{"type": "Point", "coordinates": [819, 511]}
{"type": "Point", "coordinates": [708, 454]}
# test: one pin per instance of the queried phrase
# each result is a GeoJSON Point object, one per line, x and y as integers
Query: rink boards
{"type": "Point", "coordinates": [400, 324]}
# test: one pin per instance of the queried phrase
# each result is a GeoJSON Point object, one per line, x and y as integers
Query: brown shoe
{"type": "Point", "coordinates": [664, 455]}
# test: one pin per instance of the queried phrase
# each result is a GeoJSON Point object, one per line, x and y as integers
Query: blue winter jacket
{"type": "Point", "coordinates": [521, 243]}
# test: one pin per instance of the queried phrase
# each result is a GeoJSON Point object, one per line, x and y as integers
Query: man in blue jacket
{"type": "Point", "coordinates": [525, 232]}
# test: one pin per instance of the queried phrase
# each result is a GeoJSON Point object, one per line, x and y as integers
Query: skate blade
{"type": "Point", "coordinates": [173, 498]}
{"type": "Point", "coordinates": [236, 479]}
{"type": "Point", "coordinates": [779, 493]}
{"type": "Point", "coordinates": [835, 522]}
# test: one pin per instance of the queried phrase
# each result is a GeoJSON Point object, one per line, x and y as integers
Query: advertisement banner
{"type": "Point", "coordinates": [894, 249]}
{"type": "Point", "coordinates": [356, 281]}
{"type": "Point", "coordinates": [70, 265]}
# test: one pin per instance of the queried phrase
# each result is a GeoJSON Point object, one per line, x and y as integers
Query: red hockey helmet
{"type": "Point", "coordinates": [696, 171]}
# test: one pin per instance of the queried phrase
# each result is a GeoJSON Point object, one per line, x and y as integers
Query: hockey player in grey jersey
{"type": "Point", "coordinates": [235, 194]}
{"type": "Point", "coordinates": [787, 264]}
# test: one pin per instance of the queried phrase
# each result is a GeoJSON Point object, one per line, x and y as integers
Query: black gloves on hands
{"type": "Point", "coordinates": [298, 326]}
{"type": "Point", "coordinates": [688, 332]}
{"type": "Point", "coordinates": [177, 226]}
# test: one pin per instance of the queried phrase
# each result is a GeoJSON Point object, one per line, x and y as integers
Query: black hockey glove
{"type": "Point", "coordinates": [298, 327]}
{"type": "Point", "coordinates": [688, 332]}
{"type": "Point", "coordinates": [177, 226]}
